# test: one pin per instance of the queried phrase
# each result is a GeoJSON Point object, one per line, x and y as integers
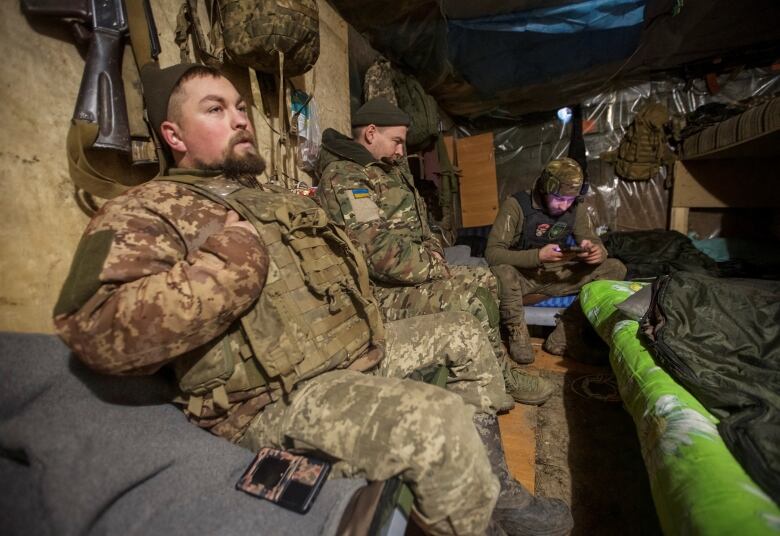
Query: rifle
{"type": "Point", "coordinates": [101, 96]}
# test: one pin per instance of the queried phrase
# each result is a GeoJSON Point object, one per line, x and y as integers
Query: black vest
{"type": "Point", "coordinates": [540, 229]}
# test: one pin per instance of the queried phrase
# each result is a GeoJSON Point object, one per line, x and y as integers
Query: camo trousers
{"type": "Point", "coordinates": [561, 280]}
{"type": "Point", "coordinates": [471, 289]}
{"type": "Point", "coordinates": [380, 425]}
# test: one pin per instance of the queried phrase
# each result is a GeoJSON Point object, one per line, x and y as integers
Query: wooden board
{"type": "Point", "coordinates": [518, 435]}
{"type": "Point", "coordinates": [478, 186]}
{"type": "Point", "coordinates": [748, 182]}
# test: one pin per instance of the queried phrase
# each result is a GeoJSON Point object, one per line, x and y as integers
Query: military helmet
{"type": "Point", "coordinates": [562, 176]}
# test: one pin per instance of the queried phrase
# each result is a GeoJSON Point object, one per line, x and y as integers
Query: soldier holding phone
{"type": "Point", "coordinates": [542, 244]}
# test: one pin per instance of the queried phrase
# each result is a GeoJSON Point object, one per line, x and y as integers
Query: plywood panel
{"type": "Point", "coordinates": [747, 182]}
{"type": "Point", "coordinates": [478, 186]}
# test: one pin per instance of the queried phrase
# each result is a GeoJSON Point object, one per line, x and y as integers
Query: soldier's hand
{"type": "Point", "coordinates": [551, 253]}
{"type": "Point", "coordinates": [234, 220]}
{"type": "Point", "coordinates": [593, 254]}
{"type": "Point", "coordinates": [438, 256]}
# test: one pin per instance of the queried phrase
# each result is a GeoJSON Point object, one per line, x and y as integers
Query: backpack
{"type": "Point", "coordinates": [378, 82]}
{"type": "Point", "coordinates": [257, 33]}
{"type": "Point", "coordinates": [264, 35]}
{"type": "Point", "coordinates": [422, 110]}
{"type": "Point", "coordinates": [644, 147]}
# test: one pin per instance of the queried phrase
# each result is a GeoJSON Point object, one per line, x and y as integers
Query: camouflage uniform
{"type": "Point", "coordinates": [520, 272]}
{"type": "Point", "coordinates": [523, 227]}
{"type": "Point", "coordinates": [158, 275]}
{"type": "Point", "coordinates": [385, 215]}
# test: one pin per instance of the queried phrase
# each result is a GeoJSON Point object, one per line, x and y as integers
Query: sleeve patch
{"type": "Point", "coordinates": [364, 208]}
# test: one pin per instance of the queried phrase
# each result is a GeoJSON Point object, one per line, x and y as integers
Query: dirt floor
{"type": "Point", "coordinates": [585, 450]}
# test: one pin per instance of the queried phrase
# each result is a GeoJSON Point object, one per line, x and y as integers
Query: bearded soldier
{"type": "Point", "coordinates": [529, 250]}
{"type": "Point", "coordinates": [366, 185]}
{"type": "Point", "coordinates": [262, 307]}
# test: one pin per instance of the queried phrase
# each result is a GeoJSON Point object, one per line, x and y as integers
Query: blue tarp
{"type": "Point", "coordinates": [502, 52]}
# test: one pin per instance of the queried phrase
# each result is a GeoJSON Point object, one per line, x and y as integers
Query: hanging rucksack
{"type": "Point", "coordinates": [644, 148]}
{"type": "Point", "coordinates": [422, 110]}
{"type": "Point", "coordinates": [264, 35]}
{"type": "Point", "coordinates": [378, 82]}
{"type": "Point", "coordinates": [261, 33]}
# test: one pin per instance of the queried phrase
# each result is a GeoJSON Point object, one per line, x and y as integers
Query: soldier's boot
{"type": "Point", "coordinates": [525, 388]}
{"type": "Point", "coordinates": [520, 348]}
{"type": "Point", "coordinates": [574, 337]}
{"type": "Point", "coordinates": [517, 511]}
{"type": "Point", "coordinates": [568, 329]}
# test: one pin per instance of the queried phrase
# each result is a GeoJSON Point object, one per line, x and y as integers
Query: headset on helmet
{"type": "Point", "coordinates": [549, 183]}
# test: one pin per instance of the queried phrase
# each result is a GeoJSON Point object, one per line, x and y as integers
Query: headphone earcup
{"type": "Point", "coordinates": [551, 184]}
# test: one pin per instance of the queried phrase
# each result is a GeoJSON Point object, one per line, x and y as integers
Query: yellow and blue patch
{"type": "Point", "coordinates": [359, 193]}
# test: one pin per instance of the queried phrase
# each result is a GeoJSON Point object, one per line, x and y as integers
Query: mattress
{"type": "Point", "coordinates": [758, 126]}
{"type": "Point", "coordinates": [697, 485]}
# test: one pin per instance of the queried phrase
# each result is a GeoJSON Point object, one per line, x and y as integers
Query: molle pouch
{"type": "Point", "coordinates": [206, 371]}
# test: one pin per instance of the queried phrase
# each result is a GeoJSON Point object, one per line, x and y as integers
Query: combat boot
{"type": "Point", "coordinates": [520, 348]}
{"type": "Point", "coordinates": [525, 388]}
{"type": "Point", "coordinates": [517, 511]}
{"type": "Point", "coordinates": [568, 328]}
{"type": "Point", "coordinates": [574, 337]}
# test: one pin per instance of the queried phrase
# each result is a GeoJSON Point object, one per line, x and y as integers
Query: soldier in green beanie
{"type": "Point", "coordinates": [527, 250]}
{"type": "Point", "coordinates": [366, 185]}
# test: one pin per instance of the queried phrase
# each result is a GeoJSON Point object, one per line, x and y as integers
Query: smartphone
{"type": "Point", "coordinates": [290, 480]}
{"type": "Point", "coordinates": [571, 249]}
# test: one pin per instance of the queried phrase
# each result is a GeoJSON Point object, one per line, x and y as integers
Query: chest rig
{"type": "Point", "coordinates": [315, 313]}
{"type": "Point", "coordinates": [540, 229]}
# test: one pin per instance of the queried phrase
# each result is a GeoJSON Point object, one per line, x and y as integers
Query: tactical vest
{"type": "Point", "coordinates": [539, 228]}
{"type": "Point", "coordinates": [315, 313]}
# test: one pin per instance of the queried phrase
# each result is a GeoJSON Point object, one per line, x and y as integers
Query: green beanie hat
{"type": "Point", "coordinates": [380, 112]}
{"type": "Point", "coordinates": [158, 85]}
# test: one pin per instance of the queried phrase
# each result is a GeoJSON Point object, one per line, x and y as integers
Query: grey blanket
{"type": "Point", "coordinates": [87, 454]}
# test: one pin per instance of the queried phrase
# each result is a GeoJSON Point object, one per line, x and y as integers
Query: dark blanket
{"type": "Point", "coordinates": [649, 254]}
{"type": "Point", "coordinates": [720, 339]}
{"type": "Point", "coordinates": [88, 454]}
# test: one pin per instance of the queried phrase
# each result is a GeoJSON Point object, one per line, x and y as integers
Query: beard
{"type": "Point", "coordinates": [239, 168]}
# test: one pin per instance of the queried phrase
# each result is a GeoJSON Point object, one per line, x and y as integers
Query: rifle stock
{"type": "Point", "coordinates": [101, 97]}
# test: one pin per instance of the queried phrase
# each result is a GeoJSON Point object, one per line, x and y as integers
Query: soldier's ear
{"type": "Point", "coordinates": [171, 134]}
{"type": "Point", "coordinates": [369, 133]}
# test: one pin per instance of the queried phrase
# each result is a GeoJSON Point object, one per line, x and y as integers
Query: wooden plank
{"type": "Point", "coordinates": [679, 220]}
{"type": "Point", "coordinates": [478, 185]}
{"type": "Point", "coordinates": [518, 435]}
{"type": "Point", "coordinates": [748, 182]}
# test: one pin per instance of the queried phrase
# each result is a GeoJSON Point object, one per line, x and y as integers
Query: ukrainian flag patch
{"type": "Point", "coordinates": [359, 193]}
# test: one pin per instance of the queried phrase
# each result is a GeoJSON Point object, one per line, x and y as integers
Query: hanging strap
{"type": "Point", "coordinates": [81, 136]}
